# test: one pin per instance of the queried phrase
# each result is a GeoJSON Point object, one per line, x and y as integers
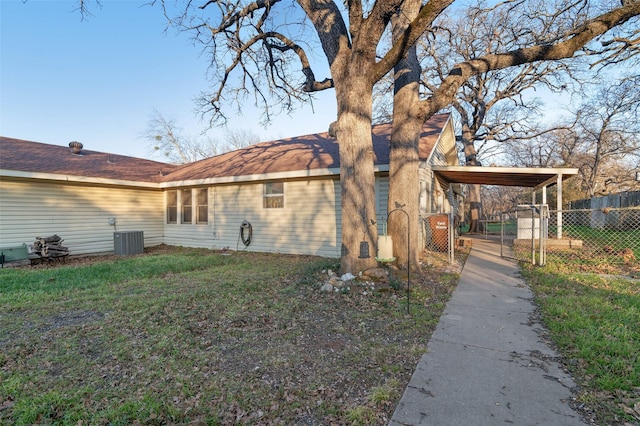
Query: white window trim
{"type": "Point", "coordinates": [177, 207]}
{"type": "Point", "coordinates": [283, 195]}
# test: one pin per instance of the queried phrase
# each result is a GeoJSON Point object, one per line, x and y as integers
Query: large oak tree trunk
{"type": "Point", "coordinates": [404, 192]}
{"type": "Point", "coordinates": [357, 180]}
{"type": "Point", "coordinates": [404, 182]}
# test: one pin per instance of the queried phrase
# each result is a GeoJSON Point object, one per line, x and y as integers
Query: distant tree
{"type": "Point", "coordinates": [239, 138]}
{"type": "Point", "coordinates": [166, 137]}
{"type": "Point", "coordinates": [600, 137]}
{"type": "Point", "coordinates": [545, 149]}
{"type": "Point", "coordinates": [499, 199]}
{"type": "Point", "coordinates": [608, 127]}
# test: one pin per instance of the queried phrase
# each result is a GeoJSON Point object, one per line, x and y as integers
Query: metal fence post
{"type": "Point", "coordinates": [533, 236]}
{"type": "Point", "coordinates": [501, 233]}
{"type": "Point", "coordinates": [451, 238]}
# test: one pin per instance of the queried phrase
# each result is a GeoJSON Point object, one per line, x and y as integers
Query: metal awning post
{"type": "Point", "coordinates": [559, 206]}
{"type": "Point", "coordinates": [541, 236]}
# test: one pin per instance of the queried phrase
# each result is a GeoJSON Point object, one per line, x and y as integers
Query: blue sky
{"type": "Point", "coordinates": [98, 81]}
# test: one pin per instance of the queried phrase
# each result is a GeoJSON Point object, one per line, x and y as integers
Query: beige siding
{"type": "Point", "coordinates": [77, 213]}
{"type": "Point", "coordinates": [310, 222]}
{"type": "Point", "coordinates": [190, 235]}
{"type": "Point", "coordinates": [306, 225]}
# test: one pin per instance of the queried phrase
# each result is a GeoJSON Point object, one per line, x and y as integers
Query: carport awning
{"type": "Point", "coordinates": [534, 177]}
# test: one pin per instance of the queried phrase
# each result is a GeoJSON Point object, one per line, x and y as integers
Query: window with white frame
{"type": "Point", "coordinates": [187, 207]}
{"type": "Point", "coordinates": [273, 195]}
{"type": "Point", "coordinates": [172, 206]}
{"type": "Point", "coordinates": [202, 205]}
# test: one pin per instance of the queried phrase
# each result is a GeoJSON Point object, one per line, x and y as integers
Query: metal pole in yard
{"type": "Point", "coordinates": [501, 233]}
{"type": "Point", "coordinates": [533, 235]}
{"type": "Point", "coordinates": [451, 238]}
{"type": "Point", "coordinates": [408, 251]}
{"type": "Point", "coordinates": [559, 206]}
{"type": "Point", "coordinates": [541, 236]}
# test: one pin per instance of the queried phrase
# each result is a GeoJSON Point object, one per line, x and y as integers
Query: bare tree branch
{"type": "Point", "coordinates": [547, 52]}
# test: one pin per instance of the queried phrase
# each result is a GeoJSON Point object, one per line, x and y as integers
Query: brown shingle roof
{"type": "Point", "coordinates": [310, 152]}
{"type": "Point", "coordinates": [26, 156]}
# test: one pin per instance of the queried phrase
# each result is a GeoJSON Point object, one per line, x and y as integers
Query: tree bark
{"type": "Point", "coordinates": [475, 205]}
{"type": "Point", "coordinates": [475, 199]}
{"type": "Point", "coordinates": [354, 93]}
{"type": "Point", "coordinates": [404, 180]}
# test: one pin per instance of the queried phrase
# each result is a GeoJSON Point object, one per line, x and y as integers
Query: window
{"type": "Point", "coordinates": [273, 196]}
{"type": "Point", "coordinates": [187, 208]}
{"type": "Point", "coordinates": [188, 199]}
{"type": "Point", "coordinates": [202, 205]}
{"type": "Point", "coordinates": [172, 206]}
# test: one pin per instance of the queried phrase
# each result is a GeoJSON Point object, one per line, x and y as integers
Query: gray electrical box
{"type": "Point", "coordinates": [127, 243]}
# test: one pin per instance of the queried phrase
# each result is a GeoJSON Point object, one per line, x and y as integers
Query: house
{"type": "Point", "coordinates": [287, 190]}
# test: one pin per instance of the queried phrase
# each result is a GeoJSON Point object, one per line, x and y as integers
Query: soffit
{"type": "Point", "coordinates": [532, 177]}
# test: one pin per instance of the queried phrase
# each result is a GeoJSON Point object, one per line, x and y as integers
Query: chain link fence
{"type": "Point", "coordinates": [439, 232]}
{"type": "Point", "coordinates": [603, 240]}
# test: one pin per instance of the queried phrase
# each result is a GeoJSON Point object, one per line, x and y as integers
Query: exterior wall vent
{"type": "Point", "coordinates": [76, 147]}
{"type": "Point", "coordinates": [128, 243]}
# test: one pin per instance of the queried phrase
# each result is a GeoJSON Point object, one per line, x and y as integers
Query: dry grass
{"type": "Point", "coordinates": [194, 336]}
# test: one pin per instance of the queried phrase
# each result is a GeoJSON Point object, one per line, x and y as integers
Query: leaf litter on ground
{"type": "Point", "coordinates": [210, 337]}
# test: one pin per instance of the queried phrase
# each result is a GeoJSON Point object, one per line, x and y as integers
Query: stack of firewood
{"type": "Point", "coordinates": [49, 247]}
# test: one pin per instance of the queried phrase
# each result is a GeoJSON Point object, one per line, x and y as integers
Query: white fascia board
{"type": "Point", "coordinates": [76, 179]}
{"type": "Point", "coordinates": [447, 124]}
{"type": "Point", "coordinates": [514, 170]}
{"type": "Point", "coordinates": [251, 178]}
{"type": "Point", "coordinates": [298, 174]}
{"type": "Point", "coordinates": [174, 184]}
{"type": "Point", "coordinates": [554, 180]}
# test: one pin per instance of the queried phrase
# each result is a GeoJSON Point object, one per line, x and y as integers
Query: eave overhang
{"type": "Point", "coordinates": [531, 177]}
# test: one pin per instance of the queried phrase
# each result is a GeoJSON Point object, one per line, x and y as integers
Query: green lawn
{"type": "Point", "coordinates": [186, 335]}
{"type": "Point", "coordinates": [595, 321]}
{"type": "Point", "coordinates": [612, 239]}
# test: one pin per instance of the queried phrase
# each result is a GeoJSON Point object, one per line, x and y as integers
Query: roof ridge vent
{"type": "Point", "coordinates": [76, 147]}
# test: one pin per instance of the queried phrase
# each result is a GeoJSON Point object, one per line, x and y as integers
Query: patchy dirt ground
{"type": "Point", "coordinates": [236, 343]}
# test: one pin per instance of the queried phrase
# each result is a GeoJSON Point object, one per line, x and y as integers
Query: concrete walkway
{"type": "Point", "coordinates": [487, 362]}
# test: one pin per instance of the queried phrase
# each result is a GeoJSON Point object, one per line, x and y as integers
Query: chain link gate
{"type": "Point", "coordinates": [523, 233]}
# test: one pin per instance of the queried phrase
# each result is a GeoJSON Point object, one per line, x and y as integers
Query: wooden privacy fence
{"type": "Point", "coordinates": [621, 199]}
